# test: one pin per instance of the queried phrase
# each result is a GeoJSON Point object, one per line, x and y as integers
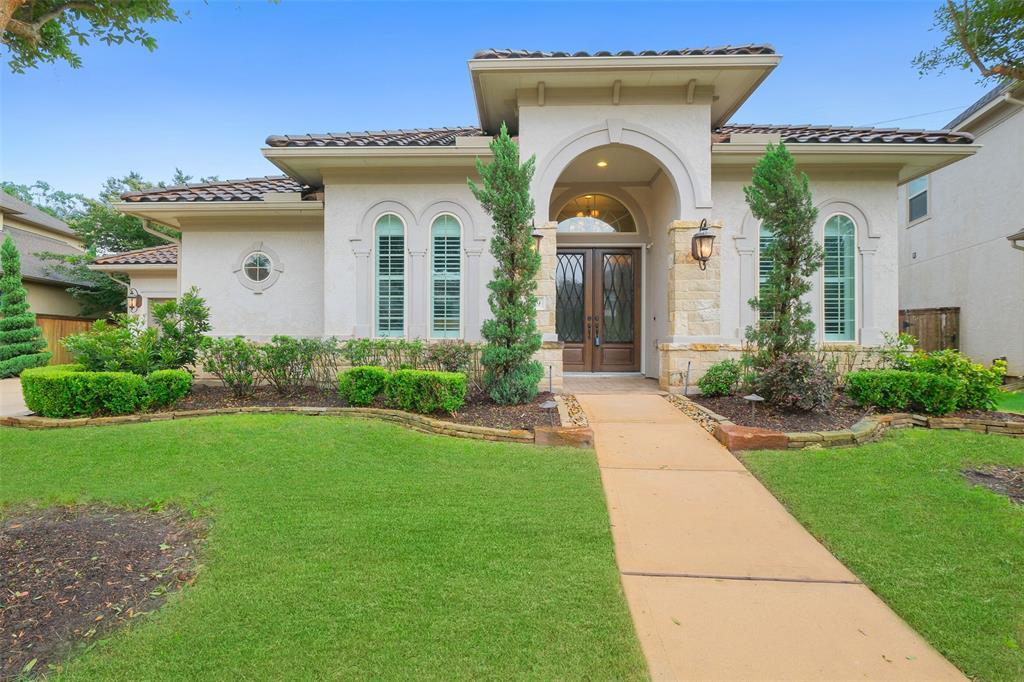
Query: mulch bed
{"type": "Point", "coordinates": [842, 415]}
{"type": "Point", "coordinates": [979, 414]}
{"type": "Point", "coordinates": [999, 479]}
{"type": "Point", "coordinates": [479, 410]}
{"type": "Point", "coordinates": [70, 575]}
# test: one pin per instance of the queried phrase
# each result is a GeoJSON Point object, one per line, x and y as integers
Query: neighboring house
{"type": "Point", "coordinates": [376, 234]}
{"type": "Point", "coordinates": [957, 231]}
{"type": "Point", "coordinates": [33, 232]}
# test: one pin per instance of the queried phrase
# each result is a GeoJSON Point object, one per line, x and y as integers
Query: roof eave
{"type": "Point", "coordinates": [169, 212]}
{"type": "Point", "coordinates": [914, 160]}
{"type": "Point", "coordinates": [133, 267]}
{"type": "Point", "coordinates": [306, 164]}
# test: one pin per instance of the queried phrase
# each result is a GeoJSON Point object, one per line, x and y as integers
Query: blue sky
{"type": "Point", "coordinates": [233, 72]}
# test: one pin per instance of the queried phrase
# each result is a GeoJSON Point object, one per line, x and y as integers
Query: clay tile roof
{"type": "Point", "coordinates": [843, 134]}
{"type": "Point", "coordinates": [249, 189]}
{"type": "Point", "coordinates": [493, 53]}
{"type": "Point", "coordinates": [415, 137]}
{"type": "Point", "coordinates": [165, 254]}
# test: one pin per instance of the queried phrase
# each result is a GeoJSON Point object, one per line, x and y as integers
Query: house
{"type": "Point", "coordinates": [34, 232]}
{"type": "Point", "coordinates": [376, 234]}
{"type": "Point", "coordinates": [957, 230]}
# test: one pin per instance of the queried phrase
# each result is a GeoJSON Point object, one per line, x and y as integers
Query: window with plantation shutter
{"type": "Point", "coordinates": [764, 266]}
{"type": "Point", "coordinates": [840, 305]}
{"type": "Point", "coordinates": [389, 237]}
{"type": "Point", "coordinates": [445, 277]}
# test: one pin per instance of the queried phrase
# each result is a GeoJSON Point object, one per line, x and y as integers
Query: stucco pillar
{"type": "Point", "coordinates": [748, 275]}
{"type": "Point", "coordinates": [870, 333]}
{"type": "Point", "coordinates": [550, 353]}
{"type": "Point", "coordinates": [418, 294]}
{"type": "Point", "coordinates": [472, 320]}
{"type": "Point", "coordinates": [364, 316]}
{"type": "Point", "coordinates": [694, 295]}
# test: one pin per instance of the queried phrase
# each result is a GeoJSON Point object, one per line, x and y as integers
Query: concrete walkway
{"type": "Point", "coordinates": [722, 583]}
{"type": "Point", "coordinates": [11, 402]}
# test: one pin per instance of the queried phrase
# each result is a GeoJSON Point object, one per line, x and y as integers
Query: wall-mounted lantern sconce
{"type": "Point", "coordinates": [537, 236]}
{"type": "Point", "coordinates": [134, 300]}
{"type": "Point", "coordinates": [702, 244]}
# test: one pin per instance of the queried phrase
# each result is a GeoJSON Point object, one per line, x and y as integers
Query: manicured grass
{"type": "Point", "coordinates": [347, 549]}
{"type": "Point", "coordinates": [1010, 401]}
{"type": "Point", "coordinates": [947, 556]}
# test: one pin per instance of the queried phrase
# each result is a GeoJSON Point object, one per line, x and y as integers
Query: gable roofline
{"type": "Point", "coordinates": [10, 205]}
{"type": "Point", "coordinates": [991, 100]}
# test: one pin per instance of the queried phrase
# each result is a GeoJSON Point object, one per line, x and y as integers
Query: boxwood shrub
{"type": "Point", "coordinates": [895, 389]}
{"type": "Point", "coordinates": [361, 385]}
{"type": "Point", "coordinates": [720, 379]}
{"type": "Point", "coordinates": [62, 391]}
{"type": "Point", "coordinates": [425, 391]}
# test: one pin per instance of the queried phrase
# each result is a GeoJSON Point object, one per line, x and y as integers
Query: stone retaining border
{"type": "Point", "coordinates": [869, 428]}
{"type": "Point", "coordinates": [571, 436]}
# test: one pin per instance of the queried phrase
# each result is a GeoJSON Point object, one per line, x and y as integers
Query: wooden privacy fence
{"type": "Point", "coordinates": [934, 328]}
{"type": "Point", "coordinates": [55, 328]}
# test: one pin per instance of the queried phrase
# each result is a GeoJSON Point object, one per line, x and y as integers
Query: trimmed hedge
{"type": "Point", "coordinates": [360, 386]}
{"type": "Point", "coordinates": [414, 390]}
{"type": "Point", "coordinates": [64, 391]}
{"type": "Point", "coordinates": [895, 389]}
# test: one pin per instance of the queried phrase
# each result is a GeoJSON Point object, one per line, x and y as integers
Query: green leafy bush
{"type": "Point", "coordinates": [517, 386]}
{"type": "Point", "coordinates": [167, 386]}
{"type": "Point", "coordinates": [394, 354]}
{"type": "Point", "coordinates": [797, 382]}
{"type": "Point", "coordinates": [895, 389]}
{"type": "Point", "coordinates": [361, 385]}
{"type": "Point", "coordinates": [67, 391]}
{"type": "Point", "coordinates": [235, 361]}
{"type": "Point", "coordinates": [426, 391]}
{"type": "Point", "coordinates": [721, 378]}
{"type": "Point", "coordinates": [979, 385]}
{"type": "Point", "coordinates": [287, 363]}
{"type": "Point", "coordinates": [128, 345]}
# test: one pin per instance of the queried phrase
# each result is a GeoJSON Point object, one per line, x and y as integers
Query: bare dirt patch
{"type": "Point", "coordinates": [69, 575]}
{"type": "Point", "coordinates": [479, 409]}
{"type": "Point", "coordinates": [999, 479]}
{"type": "Point", "coordinates": [841, 415]}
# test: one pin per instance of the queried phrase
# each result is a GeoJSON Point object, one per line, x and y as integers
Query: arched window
{"type": "Point", "coordinates": [764, 266]}
{"type": "Point", "coordinates": [840, 298]}
{"type": "Point", "coordinates": [389, 237]}
{"type": "Point", "coordinates": [445, 277]}
{"type": "Point", "coordinates": [595, 213]}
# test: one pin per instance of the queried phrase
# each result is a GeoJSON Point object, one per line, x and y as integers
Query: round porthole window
{"type": "Point", "coordinates": [257, 267]}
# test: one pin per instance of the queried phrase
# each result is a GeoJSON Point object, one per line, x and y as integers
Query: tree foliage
{"type": "Point", "coordinates": [21, 342]}
{"type": "Point", "coordinates": [985, 34]}
{"type": "Point", "coordinates": [48, 31]}
{"type": "Point", "coordinates": [781, 199]}
{"type": "Point", "coordinates": [511, 374]}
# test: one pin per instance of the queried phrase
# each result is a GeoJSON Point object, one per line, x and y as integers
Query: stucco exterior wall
{"type": "Point", "coordinates": [51, 299]}
{"type": "Point", "coordinates": [212, 251]}
{"type": "Point", "coordinates": [867, 196]}
{"type": "Point", "coordinates": [352, 205]}
{"type": "Point", "coordinates": [154, 285]}
{"type": "Point", "coordinates": [958, 256]}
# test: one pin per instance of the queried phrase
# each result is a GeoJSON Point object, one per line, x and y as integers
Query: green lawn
{"type": "Point", "coordinates": [1010, 401]}
{"type": "Point", "coordinates": [947, 556]}
{"type": "Point", "coordinates": [347, 549]}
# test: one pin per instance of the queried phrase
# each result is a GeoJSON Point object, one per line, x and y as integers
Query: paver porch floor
{"type": "Point", "coordinates": [722, 582]}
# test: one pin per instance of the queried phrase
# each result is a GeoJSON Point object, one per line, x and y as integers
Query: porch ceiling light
{"type": "Point", "coordinates": [702, 244]}
{"type": "Point", "coordinates": [602, 164]}
{"type": "Point", "coordinates": [134, 300]}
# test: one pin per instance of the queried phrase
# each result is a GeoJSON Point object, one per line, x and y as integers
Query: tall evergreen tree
{"type": "Point", "coordinates": [781, 199]}
{"type": "Point", "coordinates": [21, 342]}
{"type": "Point", "coordinates": [511, 374]}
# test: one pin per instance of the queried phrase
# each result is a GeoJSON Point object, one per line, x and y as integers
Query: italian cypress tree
{"type": "Point", "coordinates": [781, 199]}
{"type": "Point", "coordinates": [21, 342]}
{"type": "Point", "coordinates": [511, 374]}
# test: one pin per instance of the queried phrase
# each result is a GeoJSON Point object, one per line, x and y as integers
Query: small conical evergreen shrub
{"type": "Point", "coordinates": [21, 342]}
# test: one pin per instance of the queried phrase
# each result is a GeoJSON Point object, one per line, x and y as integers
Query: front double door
{"type": "Point", "coordinates": [597, 311]}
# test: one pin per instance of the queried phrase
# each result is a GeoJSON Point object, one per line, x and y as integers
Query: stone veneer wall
{"type": "Point", "coordinates": [550, 353]}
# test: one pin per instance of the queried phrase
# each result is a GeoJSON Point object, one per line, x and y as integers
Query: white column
{"type": "Point", "coordinates": [471, 319]}
{"type": "Point", "coordinates": [417, 283]}
{"type": "Point", "coordinates": [748, 278]}
{"type": "Point", "coordinates": [364, 303]}
{"type": "Point", "coordinates": [870, 333]}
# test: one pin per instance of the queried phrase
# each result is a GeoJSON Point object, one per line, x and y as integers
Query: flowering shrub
{"type": "Point", "coordinates": [796, 382]}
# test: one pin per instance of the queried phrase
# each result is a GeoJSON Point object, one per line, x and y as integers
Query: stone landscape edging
{"type": "Point", "coordinates": [560, 435]}
{"type": "Point", "coordinates": [869, 428]}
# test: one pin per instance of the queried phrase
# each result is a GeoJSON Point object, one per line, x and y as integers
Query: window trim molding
{"type": "Point", "coordinates": [276, 268]}
{"type": "Point", "coordinates": [462, 278]}
{"type": "Point", "coordinates": [374, 270]}
{"type": "Point", "coordinates": [856, 282]}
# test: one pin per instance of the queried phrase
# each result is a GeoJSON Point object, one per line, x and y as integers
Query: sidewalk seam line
{"type": "Point", "coordinates": [819, 581]}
